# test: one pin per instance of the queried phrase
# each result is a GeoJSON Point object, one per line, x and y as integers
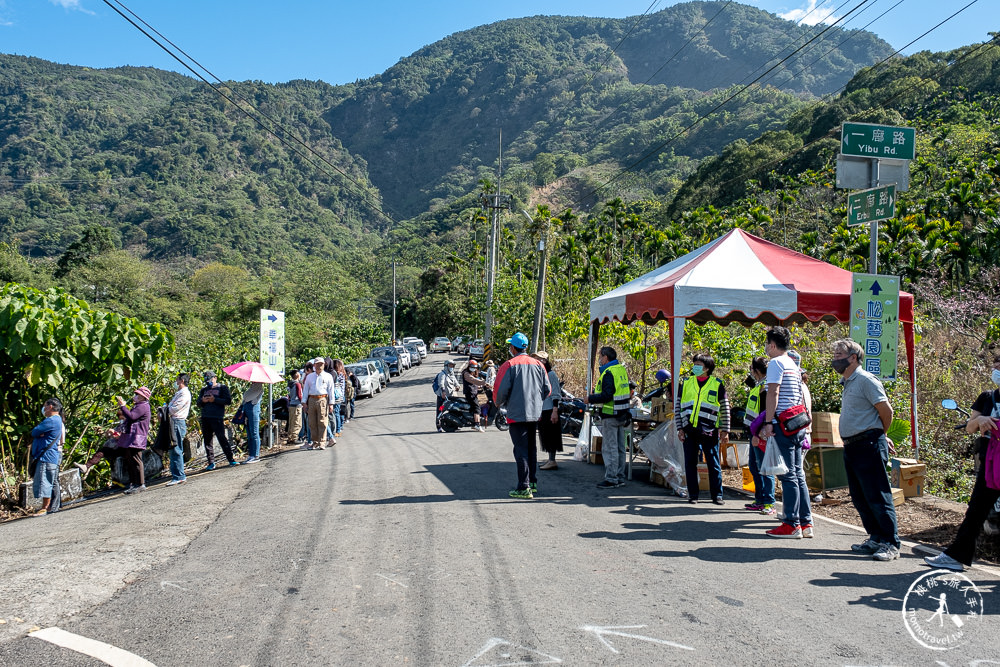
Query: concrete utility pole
{"type": "Point", "coordinates": [491, 262]}
{"type": "Point", "coordinates": [394, 301]}
{"type": "Point", "coordinates": [536, 329]}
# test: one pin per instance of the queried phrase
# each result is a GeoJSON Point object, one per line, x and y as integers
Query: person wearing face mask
{"type": "Point", "coordinates": [984, 420]}
{"type": "Point", "coordinates": [212, 400]}
{"type": "Point", "coordinates": [865, 416]}
{"type": "Point", "coordinates": [178, 409]}
{"type": "Point", "coordinates": [702, 420]}
{"type": "Point", "coordinates": [763, 496]}
{"type": "Point", "coordinates": [131, 438]}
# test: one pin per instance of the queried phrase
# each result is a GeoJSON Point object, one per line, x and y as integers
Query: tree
{"type": "Point", "coordinates": [96, 240]}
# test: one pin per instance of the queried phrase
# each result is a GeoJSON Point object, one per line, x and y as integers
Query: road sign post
{"type": "Point", "coordinates": [272, 353]}
{"type": "Point", "coordinates": [875, 321]}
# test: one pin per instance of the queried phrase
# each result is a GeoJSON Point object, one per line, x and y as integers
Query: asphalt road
{"type": "Point", "coordinates": [400, 546]}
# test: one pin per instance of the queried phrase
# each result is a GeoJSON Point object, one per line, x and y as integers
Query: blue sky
{"type": "Point", "coordinates": [339, 41]}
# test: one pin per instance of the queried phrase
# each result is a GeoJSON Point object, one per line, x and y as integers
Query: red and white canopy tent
{"type": "Point", "coordinates": [739, 278]}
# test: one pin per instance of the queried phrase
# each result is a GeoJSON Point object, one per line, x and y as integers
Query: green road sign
{"type": "Point", "coordinates": [871, 205]}
{"type": "Point", "coordinates": [878, 141]}
{"type": "Point", "coordinates": [875, 321]}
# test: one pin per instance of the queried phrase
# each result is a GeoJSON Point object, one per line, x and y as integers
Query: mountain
{"type": "Point", "coordinates": [559, 89]}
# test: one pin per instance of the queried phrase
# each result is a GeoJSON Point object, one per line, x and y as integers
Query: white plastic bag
{"type": "Point", "coordinates": [773, 464]}
{"type": "Point", "coordinates": [582, 451]}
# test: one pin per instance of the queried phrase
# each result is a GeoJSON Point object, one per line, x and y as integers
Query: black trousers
{"type": "Point", "coordinates": [214, 426]}
{"type": "Point", "coordinates": [549, 434]}
{"type": "Point", "coordinates": [980, 503]}
{"type": "Point", "coordinates": [522, 434]}
{"type": "Point", "coordinates": [695, 441]}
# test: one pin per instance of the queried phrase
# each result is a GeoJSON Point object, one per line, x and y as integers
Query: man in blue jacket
{"type": "Point", "coordinates": [521, 386]}
{"type": "Point", "coordinates": [46, 449]}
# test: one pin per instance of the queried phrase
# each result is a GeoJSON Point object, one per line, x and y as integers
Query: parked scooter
{"type": "Point", "coordinates": [457, 413]}
{"type": "Point", "coordinates": [992, 524]}
{"type": "Point", "coordinates": [571, 411]}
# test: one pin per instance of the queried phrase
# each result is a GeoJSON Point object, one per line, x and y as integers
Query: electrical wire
{"type": "Point", "coordinates": [965, 56]}
{"type": "Point", "coordinates": [362, 190]}
{"type": "Point", "coordinates": [659, 147]}
{"type": "Point", "coordinates": [621, 41]}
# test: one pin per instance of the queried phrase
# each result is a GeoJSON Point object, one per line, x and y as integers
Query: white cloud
{"type": "Point", "coordinates": [71, 4]}
{"type": "Point", "coordinates": [810, 14]}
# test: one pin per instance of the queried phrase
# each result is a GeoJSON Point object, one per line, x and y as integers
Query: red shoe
{"type": "Point", "coordinates": [786, 531]}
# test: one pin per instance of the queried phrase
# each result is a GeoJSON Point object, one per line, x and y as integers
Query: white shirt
{"type": "Point", "coordinates": [783, 372]}
{"type": "Point", "coordinates": [318, 384]}
{"type": "Point", "coordinates": [180, 405]}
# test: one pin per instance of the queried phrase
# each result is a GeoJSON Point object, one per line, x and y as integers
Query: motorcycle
{"type": "Point", "coordinates": [571, 411]}
{"type": "Point", "coordinates": [457, 413]}
{"type": "Point", "coordinates": [991, 526]}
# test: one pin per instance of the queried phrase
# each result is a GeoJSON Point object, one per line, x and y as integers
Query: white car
{"type": "Point", "coordinates": [421, 345]}
{"type": "Point", "coordinates": [441, 344]}
{"type": "Point", "coordinates": [476, 349]}
{"type": "Point", "coordinates": [368, 378]}
{"type": "Point", "coordinates": [404, 356]}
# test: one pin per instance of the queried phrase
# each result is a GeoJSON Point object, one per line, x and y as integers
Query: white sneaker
{"type": "Point", "coordinates": [945, 561]}
{"type": "Point", "coordinates": [175, 482]}
{"type": "Point", "coordinates": [885, 553]}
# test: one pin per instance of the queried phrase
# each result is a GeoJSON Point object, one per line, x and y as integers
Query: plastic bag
{"type": "Point", "coordinates": [582, 451]}
{"type": "Point", "coordinates": [773, 464]}
{"type": "Point", "coordinates": [992, 462]}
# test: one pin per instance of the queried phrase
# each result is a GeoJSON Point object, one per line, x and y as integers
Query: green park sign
{"type": "Point", "coordinates": [871, 205]}
{"type": "Point", "coordinates": [875, 321]}
{"type": "Point", "coordinates": [878, 141]}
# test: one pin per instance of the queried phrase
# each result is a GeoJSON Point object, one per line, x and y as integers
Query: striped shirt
{"type": "Point", "coordinates": [783, 372]}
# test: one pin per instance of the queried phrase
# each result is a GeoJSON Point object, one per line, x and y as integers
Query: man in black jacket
{"type": "Point", "coordinates": [212, 401]}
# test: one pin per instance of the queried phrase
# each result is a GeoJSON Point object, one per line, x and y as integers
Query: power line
{"type": "Point", "coordinates": [280, 136]}
{"type": "Point", "coordinates": [659, 147]}
{"type": "Point", "coordinates": [621, 41]}
{"type": "Point", "coordinates": [961, 59]}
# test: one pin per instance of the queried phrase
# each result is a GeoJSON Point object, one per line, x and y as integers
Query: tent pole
{"type": "Point", "coordinates": [911, 361]}
{"type": "Point", "coordinates": [592, 342]}
{"type": "Point", "coordinates": [676, 350]}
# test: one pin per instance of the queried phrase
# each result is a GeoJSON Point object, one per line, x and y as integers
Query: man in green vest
{"type": "Point", "coordinates": [702, 419]}
{"type": "Point", "coordinates": [612, 394]}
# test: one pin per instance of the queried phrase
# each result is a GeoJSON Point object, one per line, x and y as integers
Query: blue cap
{"type": "Point", "coordinates": [518, 340]}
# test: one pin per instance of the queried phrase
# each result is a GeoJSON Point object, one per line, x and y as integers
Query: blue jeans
{"type": "Point", "coordinates": [763, 484]}
{"type": "Point", "coordinates": [178, 429]}
{"type": "Point", "coordinates": [868, 483]}
{"type": "Point", "coordinates": [613, 448]}
{"type": "Point", "coordinates": [350, 411]}
{"type": "Point", "coordinates": [794, 491]}
{"type": "Point", "coordinates": [338, 416]}
{"type": "Point", "coordinates": [694, 440]}
{"type": "Point", "coordinates": [253, 429]}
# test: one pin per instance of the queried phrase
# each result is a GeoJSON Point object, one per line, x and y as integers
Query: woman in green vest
{"type": "Point", "coordinates": [763, 500]}
{"type": "Point", "coordinates": [702, 420]}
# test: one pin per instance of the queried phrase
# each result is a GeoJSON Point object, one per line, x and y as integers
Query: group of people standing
{"type": "Point", "coordinates": [324, 391]}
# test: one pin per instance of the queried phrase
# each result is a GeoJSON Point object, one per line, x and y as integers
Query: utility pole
{"type": "Point", "coordinates": [536, 329]}
{"type": "Point", "coordinates": [491, 262]}
{"type": "Point", "coordinates": [393, 301]}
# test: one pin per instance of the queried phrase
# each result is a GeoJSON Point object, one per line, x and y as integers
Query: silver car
{"type": "Point", "coordinates": [368, 378]}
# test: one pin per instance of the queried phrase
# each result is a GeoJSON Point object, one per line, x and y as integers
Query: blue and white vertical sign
{"type": "Point", "coordinates": [875, 321]}
{"type": "Point", "coordinates": [272, 339]}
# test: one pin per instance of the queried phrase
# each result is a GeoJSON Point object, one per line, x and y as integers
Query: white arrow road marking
{"type": "Point", "coordinates": [535, 657]}
{"type": "Point", "coordinates": [106, 653]}
{"type": "Point", "coordinates": [172, 584]}
{"type": "Point", "coordinates": [599, 632]}
{"type": "Point", "coordinates": [400, 583]}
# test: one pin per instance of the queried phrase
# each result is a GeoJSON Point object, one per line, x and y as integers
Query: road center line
{"type": "Point", "coordinates": [106, 653]}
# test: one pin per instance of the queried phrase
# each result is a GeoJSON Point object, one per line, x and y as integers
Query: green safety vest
{"type": "Point", "coordinates": [700, 405]}
{"type": "Point", "coordinates": [754, 403]}
{"type": "Point", "coordinates": [622, 391]}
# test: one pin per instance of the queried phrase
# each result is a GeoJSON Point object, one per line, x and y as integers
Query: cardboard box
{"type": "Point", "coordinates": [826, 429]}
{"type": "Point", "coordinates": [908, 475]}
{"type": "Point", "coordinates": [595, 457]}
{"type": "Point", "coordinates": [660, 409]}
{"type": "Point", "coordinates": [656, 477]}
{"type": "Point", "coordinates": [703, 477]}
{"type": "Point", "coordinates": [897, 497]}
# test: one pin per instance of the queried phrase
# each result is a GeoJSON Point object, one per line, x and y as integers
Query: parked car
{"type": "Point", "coordinates": [441, 344]}
{"type": "Point", "coordinates": [382, 368]}
{"type": "Point", "coordinates": [414, 351]}
{"type": "Point", "coordinates": [404, 356]}
{"type": "Point", "coordinates": [421, 345]}
{"type": "Point", "coordinates": [476, 349]}
{"type": "Point", "coordinates": [391, 357]}
{"type": "Point", "coordinates": [460, 344]}
{"type": "Point", "coordinates": [368, 378]}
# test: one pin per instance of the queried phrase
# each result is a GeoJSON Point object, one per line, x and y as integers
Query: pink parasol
{"type": "Point", "coordinates": [253, 371]}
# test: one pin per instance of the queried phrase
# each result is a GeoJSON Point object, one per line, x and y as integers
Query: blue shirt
{"type": "Point", "coordinates": [47, 435]}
